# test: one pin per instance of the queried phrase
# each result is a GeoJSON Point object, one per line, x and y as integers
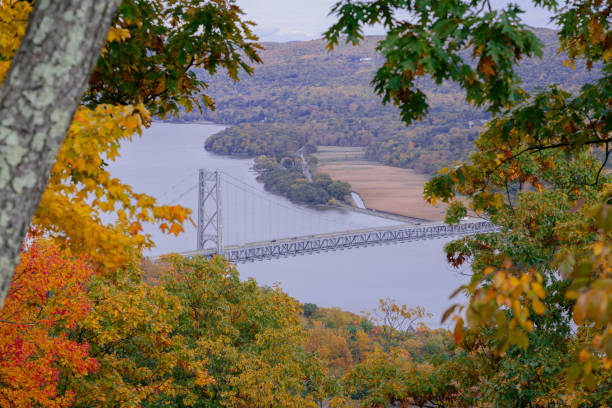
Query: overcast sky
{"type": "Point", "coordinates": [299, 20]}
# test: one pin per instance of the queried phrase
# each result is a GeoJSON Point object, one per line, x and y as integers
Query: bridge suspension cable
{"type": "Point", "coordinates": [252, 190]}
{"type": "Point", "coordinates": [175, 186]}
{"type": "Point", "coordinates": [250, 215]}
{"type": "Point", "coordinates": [183, 194]}
{"type": "Point", "coordinates": [245, 224]}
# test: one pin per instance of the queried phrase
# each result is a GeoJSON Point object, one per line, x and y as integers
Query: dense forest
{"type": "Point", "coordinates": [302, 94]}
{"type": "Point", "coordinates": [258, 139]}
{"type": "Point", "coordinates": [286, 177]}
{"type": "Point", "coordinates": [277, 164]}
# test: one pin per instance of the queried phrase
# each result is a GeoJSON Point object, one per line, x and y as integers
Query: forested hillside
{"type": "Point", "coordinates": [302, 92]}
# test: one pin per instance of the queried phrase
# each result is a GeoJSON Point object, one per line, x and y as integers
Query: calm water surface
{"type": "Point", "coordinates": [164, 163]}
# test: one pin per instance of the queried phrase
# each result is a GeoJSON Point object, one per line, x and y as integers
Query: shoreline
{"type": "Point", "coordinates": [385, 214]}
{"type": "Point", "coordinates": [190, 122]}
{"type": "Point", "coordinates": [344, 206]}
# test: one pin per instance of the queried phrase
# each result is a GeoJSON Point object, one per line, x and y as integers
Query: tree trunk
{"type": "Point", "coordinates": [38, 99]}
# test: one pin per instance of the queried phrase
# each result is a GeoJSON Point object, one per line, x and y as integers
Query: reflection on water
{"type": "Point", "coordinates": [164, 163]}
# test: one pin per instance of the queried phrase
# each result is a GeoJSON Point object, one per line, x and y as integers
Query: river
{"type": "Point", "coordinates": [164, 163]}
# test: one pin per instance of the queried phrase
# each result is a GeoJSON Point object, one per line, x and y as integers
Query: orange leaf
{"type": "Point", "coordinates": [459, 332]}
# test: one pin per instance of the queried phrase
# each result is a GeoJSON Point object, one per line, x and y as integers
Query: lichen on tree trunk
{"type": "Point", "coordinates": [38, 98]}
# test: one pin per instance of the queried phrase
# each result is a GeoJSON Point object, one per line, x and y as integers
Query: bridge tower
{"type": "Point", "coordinates": [210, 225]}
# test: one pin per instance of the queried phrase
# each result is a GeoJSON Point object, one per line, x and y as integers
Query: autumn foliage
{"type": "Point", "coordinates": [47, 300]}
{"type": "Point", "coordinates": [81, 191]}
{"type": "Point", "coordinates": [197, 337]}
{"type": "Point", "coordinates": [85, 324]}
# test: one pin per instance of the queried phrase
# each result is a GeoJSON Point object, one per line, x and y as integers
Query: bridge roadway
{"type": "Point", "coordinates": [312, 244]}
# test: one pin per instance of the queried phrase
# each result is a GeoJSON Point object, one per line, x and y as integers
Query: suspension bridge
{"type": "Point", "coordinates": [245, 224]}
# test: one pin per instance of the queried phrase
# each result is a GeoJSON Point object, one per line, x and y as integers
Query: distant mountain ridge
{"type": "Point", "coordinates": [302, 92]}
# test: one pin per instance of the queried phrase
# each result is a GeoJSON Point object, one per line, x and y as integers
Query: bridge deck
{"type": "Point", "coordinates": [341, 240]}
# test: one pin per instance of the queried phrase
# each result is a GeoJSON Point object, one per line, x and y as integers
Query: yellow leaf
{"type": "Point", "coordinates": [538, 307]}
{"type": "Point", "coordinates": [538, 289]}
{"type": "Point", "coordinates": [132, 122]}
{"type": "Point", "coordinates": [516, 307]}
{"type": "Point", "coordinates": [175, 229]}
{"type": "Point", "coordinates": [117, 34]}
{"type": "Point", "coordinates": [584, 355]}
{"type": "Point", "coordinates": [580, 309]}
{"type": "Point", "coordinates": [499, 279]}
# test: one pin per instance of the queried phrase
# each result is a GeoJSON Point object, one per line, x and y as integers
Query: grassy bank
{"type": "Point", "coordinates": [381, 187]}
